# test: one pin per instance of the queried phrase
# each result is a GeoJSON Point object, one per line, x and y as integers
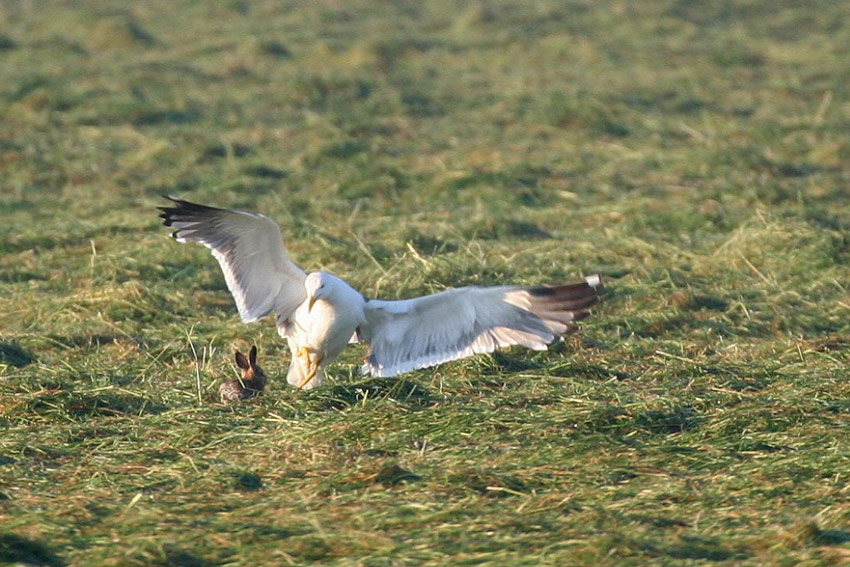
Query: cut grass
{"type": "Point", "coordinates": [690, 152]}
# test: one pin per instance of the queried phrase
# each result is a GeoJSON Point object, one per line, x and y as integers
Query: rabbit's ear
{"type": "Point", "coordinates": [241, 361]}
{"type": "Point", "coordinates": [252, 356]}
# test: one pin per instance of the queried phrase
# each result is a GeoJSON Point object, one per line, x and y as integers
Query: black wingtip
{"type": "Point", "coordinates": [580, 315]}
{"type": "Point", "coordinates": [171, 198]}
{"type": "Point", "coordinates": [184, 206]}
{"type": "Point", "coordinates": [166, 213]}
{"type": "Point", "coordinates": [580, 289]}
{"type": "Point", "coordinates": [183, 210]}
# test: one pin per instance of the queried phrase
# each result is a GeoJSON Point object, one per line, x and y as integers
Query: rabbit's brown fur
{"type": "Point", "coordinates": [253, 380]}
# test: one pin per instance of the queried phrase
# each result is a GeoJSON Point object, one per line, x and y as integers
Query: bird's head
{"type": "Point", "coordinates": [319, 285]}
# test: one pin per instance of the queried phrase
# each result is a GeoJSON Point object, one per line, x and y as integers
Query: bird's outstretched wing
{"type": "Point", "coordinates": [249, 248]}
{"type": "Point", "coordinates": [456, 323]}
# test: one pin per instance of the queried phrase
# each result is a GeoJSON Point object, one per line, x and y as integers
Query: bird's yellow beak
{"type": "Point", "coordinates": [311, 302]}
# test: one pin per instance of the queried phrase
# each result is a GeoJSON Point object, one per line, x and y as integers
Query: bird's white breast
{"type": "Point", "coordinates": [328, 326]}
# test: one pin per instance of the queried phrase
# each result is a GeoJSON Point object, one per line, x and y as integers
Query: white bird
{"type": "Point", "coordinates": [319, 314]}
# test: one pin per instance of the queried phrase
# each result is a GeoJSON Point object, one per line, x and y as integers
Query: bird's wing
{"type": "Point", "coordinates": [249, 248]}
{"type": "Point", "coordinates": [417, 333]}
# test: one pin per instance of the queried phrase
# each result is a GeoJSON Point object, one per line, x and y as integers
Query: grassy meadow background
{"type": "Point", "coordinates": [693, 153]}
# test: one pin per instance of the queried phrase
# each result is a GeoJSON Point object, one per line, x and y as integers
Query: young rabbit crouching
{"type": "Point", "coordinates": [251, 384]}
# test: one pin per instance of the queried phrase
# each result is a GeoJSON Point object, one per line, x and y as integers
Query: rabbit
{"type": "Point", "coordinates": [252, 383]}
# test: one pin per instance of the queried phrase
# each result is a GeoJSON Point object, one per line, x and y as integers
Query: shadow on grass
{"type": "Point", "coordinates": [489, 483]}
{"type": "Point", "coordinates": [16, 550]}
{"type": "Point", "coordinates": [406, 392]}
{"type": "Point", "coordinates": [12, 353]}
{"type": "Point", "coordinates": [657, 521]}
{"type": "Point", "coordinates": [260, 170]}
{"type": "Point", "coordinates": [171, 556]}
{"type": "Point", "coordinates": [385, 472]}
{"type": "Point", "coordinates": [833, 537]}
{"type": "Point", "coordinates": [614, 419]}
{"type": "Point", "coordinates": [247, 481]}
{"type": "Point", "coordinates": [522, 361]}
{"type": "Point", "coordinates": [667, 421]}
{"type": "Point", "coordinates": [813, 534]}
{"type": "Point", "coordinates": [82, 341]}
{"type": "Point", "coordinates": [17, 276]}
{"type": "Point", "coordinates": [154, 116]}
{"type": "Point", "coordinates": [392, 474]}
{"type": "Point", "coordinates": [102, 404]}
{"type": "Point", "coordinates": [696, 547]}
{"type": "Point", "coordinates": [108, 403]}
{"type": "Point", "coordinates": [586, 371]}
{"type": "Point", "coordinates": [218, 151]}
{"type": "Point", "coordinates": [428, 245]}
{"type": "Point", "coordinates": [501, 363]}
{"type": "Point", "coordinates": [737, 377]}
{"type": "Point", "coordinates": [52, 241]}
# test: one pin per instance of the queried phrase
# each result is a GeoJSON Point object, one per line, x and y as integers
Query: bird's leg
{"type": "Point", "coordinates": [304, 352]}
{"type": "Point", "coordinates": [312, 365]}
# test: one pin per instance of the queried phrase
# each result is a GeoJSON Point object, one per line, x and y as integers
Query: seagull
{"type": "Point", "coordinates": [319, 314]}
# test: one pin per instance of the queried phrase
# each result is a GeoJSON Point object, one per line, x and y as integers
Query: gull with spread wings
{"type": "Point", "coordinates": [319, 314]}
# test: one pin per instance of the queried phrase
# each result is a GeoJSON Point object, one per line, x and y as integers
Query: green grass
{"type": "Point", "coordinates": [694, 153]}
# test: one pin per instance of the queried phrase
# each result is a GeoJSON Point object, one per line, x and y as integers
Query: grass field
{"type": "Point", "coordinates": [693, 153]}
